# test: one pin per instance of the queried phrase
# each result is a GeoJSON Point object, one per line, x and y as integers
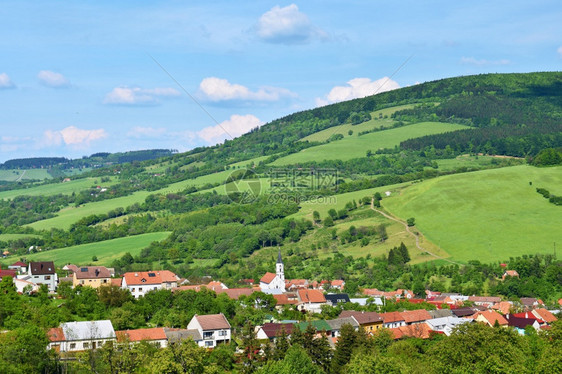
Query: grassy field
{"type": "Point", "coordinates": [376, 122]}
{"type": "Point", "coordinates": [468, 161]}
{"type": "Point", "coordinates": [65, 188]}
{"type": "Point", "coordinates": [106, 251]}
{"type": "Point", "coordinates": [15, 175]}
{"type": "Point", "coordinates": [8, 237]}
{"type": "Point", "coordinates": [357, 146]}
{"type": "Point", "coordinates": [488, 215]}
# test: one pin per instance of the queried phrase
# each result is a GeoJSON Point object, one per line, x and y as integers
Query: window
{"type": "Point", "coordinates": [72, 345]}
{"type": "Point", "coordinates": [209, 343]}
{"type": "Point", "coordinates": [208, 335]}
{"type": "Point", "coordinates": [86, 345]}
{"type": "Point", "coordinates": [82, 282]}
{"type": "Point", "coordinates": [222, 333]}
{"type": "Point", "coordinates": [133, 289]}
{"type": "Point", "coordinates": [47, 277]}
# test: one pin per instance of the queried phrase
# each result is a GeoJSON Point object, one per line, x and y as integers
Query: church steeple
{"type": "Point", "coordinates": [280, 268]}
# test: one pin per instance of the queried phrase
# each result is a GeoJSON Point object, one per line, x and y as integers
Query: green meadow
{"type": "Point", "coordinates": [8, 237]}
{"type": "Point", "coordinates": [65, 188]}
{"type": "Point", "coordinates": [488, 215]}
{"type": "Point", "coordinates": [24, 174]}
{"type": "Point", "coordinates": [357, 146]}
{"type": "Point", "coordinates": [106, 251]}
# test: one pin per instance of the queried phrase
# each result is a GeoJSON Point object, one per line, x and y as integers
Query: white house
{"type": "Point", "coordinates": [42, 273]}
{"type": "Point", "coordinates": [141, 282]}
{"type": "Point", "coordinates": [274, 283]}
{"type": "Point", "coordinates": [213, 328]}
{"type": "Point", "coordinates": [20, 267]}
{"type": "Point", "coordinates": [80, 336]}
{"type": "Point", "coordinates": [311, 300]}
{"type": "Point", "coordinates": [445, 324]}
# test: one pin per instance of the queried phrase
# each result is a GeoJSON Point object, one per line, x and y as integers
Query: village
{"type": "Point", "coordinates": [441, 312]}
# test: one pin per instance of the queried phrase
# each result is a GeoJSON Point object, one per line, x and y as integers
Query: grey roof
{"type": "Point", "coordinates": [88, 330]}
{"type": "Point", "coordinates": [177, 335]}
{"type": "Point", "coordinates": [337, 323]}
{"type": "Point", "coordinates": [438, 313]}
{"type": "Point", "coordinates": [279, 260]}
{"type": "Point", "coordinates": [336, 298]}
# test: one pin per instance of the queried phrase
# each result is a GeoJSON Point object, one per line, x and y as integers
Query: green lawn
{"type": "Point", "coordinates": [488, 215]}
{"type": "Point", "coordinates": [65, 188]}
{"type": "Point", "coordinates": [106, 251]}
{"type": "Point", "coordinates": [466, 161]}
{"type": "Point", "coordinates": [322, 136]}
{"type": "Point", "coordinates": [357, 146]}
{"type": "Point", "coordinates": [8, 237]}
{"type": "Point", "coordinates": [14, 175]}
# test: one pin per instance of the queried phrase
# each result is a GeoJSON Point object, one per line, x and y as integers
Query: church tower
{"type": "Point", "coordinates": [280, 268]}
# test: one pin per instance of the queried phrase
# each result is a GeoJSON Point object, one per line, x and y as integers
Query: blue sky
{"type": "Point", "coordinates": [78, 77]}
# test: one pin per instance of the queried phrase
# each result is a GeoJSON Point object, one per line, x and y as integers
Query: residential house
{"type": "Point", "coordinates": [412, 317]}
{"type": "Point", "coordinates": [520, 324]}
{"type": "Point", "coordinates": [176, 336]}
{"type": "Point", "coordinates": [421, 331]}
{"type": "Point", "coordinates": [486, 301]}
{"type": "Point", "coordinates": [510, 273]}
{"type": "Point", "coordinates": [370, 321]}
{"type": "Point", "coordinates": [544, 314]}
{"type": "Point", "coordinates": [322, 327]}
{"type": "Point", "coordinates": [503, 307]}
{"type": "Point", "coordinates": [92, 276]}
{"type": "Point", "coordinates": [42, 273]}
{"type": "Point", "coordinates": [285, 299]}
{"type": "Point", "coordinates": [336, 325]}
{"type": "Point", "coordinates": [463, 312]}
{"type": "Point", "coordinates": [23, 286]}
{"type": "Point", "coordinates": [19, 266]}
{"type": "Point", "coordinates": [310, 300]}
{"type": "Point", "coordinates": [530, 302]}
{"type": "Point", "coordinates": [271, 331]}
{"type": "Point", "coordinates": [155, 336]}
{"type": "Point", "coordinates": [490, 318]}
{"type": "Point", "coordinates": [392, 320]}
{"type": "Point", "coordinates": [445, 325]}
{"type": "Point", "coordinates": [213, 328]}
{"type": "Point", "coordinates": [139, 283]}
{"type": "Point", "coordinates": [298, 284]}
{"type": "Point", "coordinates": [8, 273]}
{"type": "Point", "coordinates": [80, 336]}
{"type": "Point", "coordinates": [334, 299]}
{"type": "Point", "coordinates": [440, 313]}
{"type": "Point", "coordinates": [338, 284]}
{"type": "Point", "coordinates": [363, 301]}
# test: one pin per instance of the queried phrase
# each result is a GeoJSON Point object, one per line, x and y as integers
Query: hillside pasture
{"type": "Point", "coordinates": [15, 175]}
{"type": "Point", "coordinates": [106, 251]}
{"type": "Point", "coordinates": [65, 188]}
{"type": "Point", "coordinates": [357, 146]}
{"type": "Point", "coordinates": [489, 215]}
{"type": "Point", "coordinates": [9, 237]}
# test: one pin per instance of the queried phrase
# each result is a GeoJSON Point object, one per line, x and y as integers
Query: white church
{"type": "Point", "coordinates": [274, 284]}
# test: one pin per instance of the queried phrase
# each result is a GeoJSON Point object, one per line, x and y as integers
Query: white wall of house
{"type": "Point", "coordinates": [50, 280]}
{"type": "Point", "coordinates": [210, 337]}
{"type": "Point", "coordinates": [138, 290]}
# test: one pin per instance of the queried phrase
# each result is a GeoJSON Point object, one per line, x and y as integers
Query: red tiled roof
{"type": "Point", "coordinates": [311, 296]}
{"type": "Point", "coordinates": [19, 263]}
{"type": "Point", "coordinates": [419, 315]}
{"type": "Point", "coordinates": [117, 281]}
{"type": "Point", "coordinates": [484, 299]}
{"type": "Point", "coordinates": [391, 317]}
{"type": "Point", "coordinates": [8, 273]}
{"type": "Point", "coordinates": [337, 283]}
{"type": "Point", "coordinates": [273, 330]}
{"type": "Point", "coordinates": [214, 285]}
{"type": "Point", "coordinates": [284, 300]}
{"type": "Point", "coordinates": [213, 322]}
{"type": "Point", "coordinates": [362, 318]}
{"type": "Point", "coordinates": [502, 306]}
{"type": "Point", "coordinates": [56, 334]}
{"type": "Point", "coordinates": [149, 277]}
{"type": "Point", "coordinates": [492, 316]}
{"type": "Point", "coordinates": [545, 315]}
{"type": "Point", "coordinates": [156, 333]}
{"type": "Point", "coordinates": [420, 330]}
{"type": "Point", "coordinates": [268, 278]}
{"type": "Point", "coordinates": [235, 293]}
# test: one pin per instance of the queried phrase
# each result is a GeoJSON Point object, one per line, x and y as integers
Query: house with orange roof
{"type": "Point", "coordinates": [155, 336]}
{"type": "Point", "coordinates": [503, 307]}
{"type": "Point", "coordinates": [544, 314]}
{"type": "Point", "coordinates": [19, 266]}
{"type": "Point", "coordinates": [490, 318]}
{"type": "Point", "coordinates": [213, 328]}
{"type": "Point", "coordinates": [421, 331]}
{"type": "Point", "coordinates": [392, 319]}
{"type": "Point", "coordinates": [141, 282]}
{"type": "Point", "coordinates": [510, 273]}
{"type": "Point", "coordinates": [310, 300]}
{"type": "Point", "coordinates": [412, 317]}
{"type": "Point", "coordinates": [285, 299]}
{"type": "Point", "coordinates": [338, 284]}
{"type": "Point", "coordinates": [486, 301]}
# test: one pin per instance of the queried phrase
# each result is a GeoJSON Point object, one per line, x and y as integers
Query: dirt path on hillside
{"type": "Point", "coordinates": [21, 176]}
{"type": "Point", "coordinates": [409, 232]}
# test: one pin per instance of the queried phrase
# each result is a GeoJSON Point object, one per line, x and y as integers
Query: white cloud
{"type": "Point", "coordinates": [5, 81]}
{"type": "Point", "coordinates": [559, 50]}
{"type": "Point", "coordinates": [357, 88]}
{"type": "Point", "coordinates": [52, 79]}
{"type": "Point", "coordinates": [235, 126]}
{"type": "Point", "coordinates": [217, 89]}
{"type": "Point", "coordinates": [146, 132]}
{"type": "Point", "coordinates": [483, 62]}
{"type": "Point", "coordinates": [138, 96]}
{"type": "Point", "coordinates": [287, 26]}
{"type": "Point", "coordinates": [72, 136]}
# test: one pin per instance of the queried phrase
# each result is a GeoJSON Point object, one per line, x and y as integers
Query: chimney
{"type": "Point", "coordinates": [97, 272]}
